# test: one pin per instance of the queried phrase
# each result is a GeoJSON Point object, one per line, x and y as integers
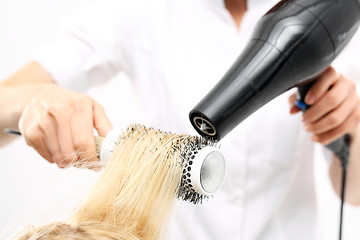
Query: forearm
{"type": "Point", "coordinates": [16, 91]}
{"type": "Point", "coordinates": [352, 191]}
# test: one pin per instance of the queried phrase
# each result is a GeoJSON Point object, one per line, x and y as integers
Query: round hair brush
{"type": "Point", "coordinates": [203, 165]}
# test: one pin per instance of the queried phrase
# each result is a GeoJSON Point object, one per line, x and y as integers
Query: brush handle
{"type": "Point", "coordinates": [98, 143]}
{"type": "Point", "coordinates": [98, 140]}
{"type": "Point", "coordinates": [340, 147]}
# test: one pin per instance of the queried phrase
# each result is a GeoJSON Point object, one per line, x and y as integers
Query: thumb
{"type": "Point", "coordinates": [102, 123]}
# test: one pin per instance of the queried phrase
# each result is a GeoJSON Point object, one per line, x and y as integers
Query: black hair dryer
{"type": "Point", "coordinates": [292, 44]}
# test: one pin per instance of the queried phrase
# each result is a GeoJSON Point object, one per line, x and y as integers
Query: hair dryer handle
{"type": "Point", "coordinates": [339, 147]}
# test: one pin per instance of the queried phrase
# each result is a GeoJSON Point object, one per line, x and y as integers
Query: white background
{"type": "Point", "coordinates": [33, 191]}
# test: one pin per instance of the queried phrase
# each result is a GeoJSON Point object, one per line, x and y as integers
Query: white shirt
{"type": "Point", "coordinates": [175, 51]}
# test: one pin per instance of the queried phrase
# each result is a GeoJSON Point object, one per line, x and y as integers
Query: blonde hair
{"type": "Point", "coordinates": [134, 196]}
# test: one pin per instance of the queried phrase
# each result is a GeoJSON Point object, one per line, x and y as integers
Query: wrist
{"type": "Point", "coordinates": [11, 106]}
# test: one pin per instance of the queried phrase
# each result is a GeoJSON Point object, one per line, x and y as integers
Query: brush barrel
{"type": "Point", "coordinates": [206, 171]}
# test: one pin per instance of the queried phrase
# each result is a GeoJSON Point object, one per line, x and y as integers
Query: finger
{"type": "Point", "coordinates": [348, 125]}
{"type": "Point", "coordinates": [293, 108]}
{"type": "Point", "coordinates": [329, 101]}
{"type": "Point", "coordinates": [102, 123]}
{"type": "Point", "coordinates": [292, 99]}
{"type": "Point", "coordinates": [321, 86]}
{"type": "Point", "coordinates": [33, 135]}
{"type": "Point", "coordinates": [83, 134]}
{"type": "Point", "coordinates": [47, 126]}
{"type": "Point", "coordinates": [334, 118]}
{"type": "Point", "coordinates": [62, 131]}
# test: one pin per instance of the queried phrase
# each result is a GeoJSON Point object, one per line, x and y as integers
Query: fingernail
{"type": "Point", "coordinates": [309, 99]}
{"type": "Point", "coordinates": [292, 110]}
{"type": "Point", "coordinates": [313, 138]}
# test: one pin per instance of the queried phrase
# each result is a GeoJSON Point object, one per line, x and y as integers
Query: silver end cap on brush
{"type": "Point", "coordinates": [204, 171]}
{"type": "Point", "coordinates": [208, 170]}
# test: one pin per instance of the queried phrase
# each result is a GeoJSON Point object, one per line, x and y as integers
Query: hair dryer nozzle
{"type": "Point", "coordinates": [204, 126]}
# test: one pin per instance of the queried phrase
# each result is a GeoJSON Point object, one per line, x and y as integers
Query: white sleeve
{"type": "Point", "coordinates": [91, 49]}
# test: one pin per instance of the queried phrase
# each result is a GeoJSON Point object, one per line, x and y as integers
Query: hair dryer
{"type": "Point", "coordinates": [292, 44]}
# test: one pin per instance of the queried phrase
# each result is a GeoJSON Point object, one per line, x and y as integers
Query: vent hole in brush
{"type": "Point", "coordinates": [191, 162]}
{"type": "Point", "coordinates": [189, 169]}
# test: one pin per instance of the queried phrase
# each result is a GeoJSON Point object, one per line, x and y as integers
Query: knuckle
{"type": "Point", "coordinates": [332, 71]}
{"type": "Point", "coordinates": [56, 110]}
{"type": "Point", "coordinates": [331, 98]}
{"type": "Point", "coordinates": [72, 104]}
{"type": "Point", "coordinates": [81, 103]}
{"type": "Point", "coordinates": [333, 119]}
{"type": "Point", "coordinates": [44, 124]}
